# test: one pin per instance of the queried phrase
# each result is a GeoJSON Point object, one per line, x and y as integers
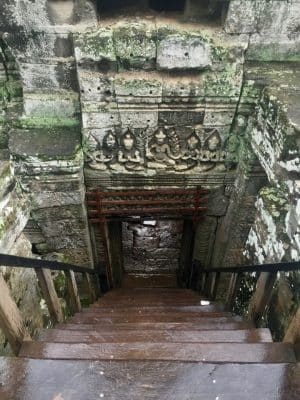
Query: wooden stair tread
{"type": "Point", "coordinates": [148, 303]}
{"type": "Point", "coordinates": [157, 309]}
{"type": "Point", "coordinates": [150, 280]}
{"type": "Point", "coordinates": [207, 325]}
{"type": "Point", "coordinates": [26, 379]}
{"type": "Point", "coordinates": [95, 318]}
{"type": "Point", "coordinates": [152, 292]}
{"type": "Point", "coordinates": [125, 336]}
{"type": "Point", "coordinates": [205, 352]}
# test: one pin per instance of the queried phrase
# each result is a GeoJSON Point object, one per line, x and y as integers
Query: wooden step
{"type": "Point", "coordinates": [150, 280]}
{"type": "Point", "coordinates": [135, 302]}
{"type": "Point", "coordinates": [154, 316]}
{"type": "Point", "coordinates": [214, 308]}
{"type": "Point", "coordinates": [152, 292]}
{"type": "Point", "coordinates": [27, 379]}
{"type": "Point", "coordinates": [205, 352]}
{"type": "Point", "coordinates": [125, 336]}
{"type": "Point", "coordinates": [94, 318]}
{"type": "Point", "coordinates": [183, 326]}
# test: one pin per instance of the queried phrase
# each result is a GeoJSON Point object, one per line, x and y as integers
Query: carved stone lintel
{"type": "Point", "coordinates": [164, 150]}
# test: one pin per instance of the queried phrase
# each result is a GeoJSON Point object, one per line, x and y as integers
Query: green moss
{"type": "Point", "coordinates": [239, 147]}
{"type": "Point", "coordinates": [275, 202]}
{"type": "Point", "coordinates": [134, 44]}
{"type": "Point", "coordinates": [4, 95]}
{"type": "Point", "coordinates": [272, 52]}
{"type": "Point", "coordinates": [14, 89]}
{"type": "Point", "coordinates": [48, 122]}
{"type": "Point", "coordinates": [98, 45]}
{"type": "Point", "coordinates": [60, 284]}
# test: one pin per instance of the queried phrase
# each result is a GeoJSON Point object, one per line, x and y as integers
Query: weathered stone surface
{"type": "Point", "coordinates": [273, 48]}
{"type": "Point", "coordinates": [50, 143]}
{"type": "Point", "coordinates": [242, 16]}
{"type": "Point", "coordinates": [59, 105]}
{"type": "Point", "coordinates": [179, 52]}
{"type": "Point", "coordinates": [96, 46]}
{"type": "Point", "coordinates": [152, 248]}
{"type": "Point", "coordinates": [135, 45]}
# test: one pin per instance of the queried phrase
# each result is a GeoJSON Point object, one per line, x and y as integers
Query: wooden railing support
{"type": "Point", "coordinates": [11, 321]}
{"type": "Point", "coordinates": [74, 300]}
{"type": "Point", "coordinates": [293, 332]}
{"type": "Point", "coordinates": [90, 290]}
{"type": "Point", "coordinates": [262, 296]}
{"type": "Point", "coordinates": [215, 285]}
{"type": "Point", "coordinates": [234, 286]}
{"type": "Point", "coordinates": [49, 294]}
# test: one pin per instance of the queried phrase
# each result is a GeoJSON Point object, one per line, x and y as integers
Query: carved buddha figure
{"type": "Point", "coordinates": [211, 152]}
{"type": "Point", "coordinates": [105, 156]}
{"type": "Point", "coordinates": [159, 151]}
{"type": "Point", "coordinates": [129, 155]}
{"type": "Point", "coordinates": [191, 154]}
{"type": "Point", "coordinates": [91, 150]}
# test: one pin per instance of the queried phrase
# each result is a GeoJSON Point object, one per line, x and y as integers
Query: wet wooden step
{"type": "Point", "coordinates": [150, 280]}
{"type": "Point", "coordinates": [94, 318]}
{"type": "Point", "coordinates": [157, 309]}
{"type": "Point", "coordinates": [27, 379]}
{"type": "Point", "coordinates": [135, 302]}
{"type": "Point", "coordinates": [184, 326]}
{"type": "Point", "coordinates": [125, 336]}
{"type": "Point", "coordinates": [205, 352]}
{"type": "Point", "coordinates": [152, 292]}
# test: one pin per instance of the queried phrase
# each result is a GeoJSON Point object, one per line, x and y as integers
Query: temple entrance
{"type": "Point", "coordinates": [144, 231]}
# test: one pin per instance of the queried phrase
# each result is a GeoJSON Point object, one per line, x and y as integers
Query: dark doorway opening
{"type": "Point", "coordinates": [167, 5]}
{"type": "Point", "coordinates": [107, 6]}
{"type": "Point", "coordinates": [145, 225]}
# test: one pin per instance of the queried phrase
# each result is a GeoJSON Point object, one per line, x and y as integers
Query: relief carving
{"type": "Point", "coordinates": [105, 156]}
{"type": "Point", "coordinates": [159, 152]}
{"type": "Point", "coordinates": [212, 156]}
{"type": "Point", "coordinates": [129, 156]}
{"type": "Point", "coordinates": [164, 150]}
{"type": "Point", "coordinates": [191, 154]}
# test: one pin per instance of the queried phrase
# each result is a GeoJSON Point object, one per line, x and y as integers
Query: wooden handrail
{"type": "Point", "coordinates": [274, 267]}
{"type": "Point", "coordinates": [24, 262]}
{"type": "Point", "coordinates": [10, 318]}
{"type": "Point", "coordinates": [210, 278]}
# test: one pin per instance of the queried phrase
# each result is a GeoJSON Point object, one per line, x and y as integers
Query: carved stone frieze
{"type": "Point", "coordinates": [164, 149]}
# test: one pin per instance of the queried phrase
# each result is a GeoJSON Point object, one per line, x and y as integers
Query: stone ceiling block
{"type": "Point", "coordinates": [183, 90]}
{"type": "Point", "coordinates": [275, 47]}
{"type": "Point", "coordinates": [139, 118]}
{"type": "Point", "coordinates": [64, 105]}
{"type": "Point", "coordinates": [182, 117]}
{"type": "Point", "coordinates": [96, 46]}
{"type": "Point", "coordinates": [242, 16]}
{"type": "Point", "coordinates": [130, 90]}
{"type": "Point", "coordinates": [54, 143]}
{"type": "Point", "coordinates": [218, 117]}
{"type": "Point", "coordinates": [135, 45]}
{"type": "Point", "coordinates": [103, 119]}
{"type": "Point", "coordinates": [183, 52]}
{"type": "Point", "coordinates": [48, 76]}
{"type": "Point", "coordinates": [95, 87]}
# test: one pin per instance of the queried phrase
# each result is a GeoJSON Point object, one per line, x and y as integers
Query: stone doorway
{"type": "Point", "coordinates": [152, 246]}
{"type": "Point", "coordinates": [144, 231]}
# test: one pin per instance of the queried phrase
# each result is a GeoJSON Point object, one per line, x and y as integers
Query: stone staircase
{"type": "Point", "coordinates": [152, 343]}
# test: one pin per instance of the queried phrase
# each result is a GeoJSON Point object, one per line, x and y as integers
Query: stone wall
{"type": "Point", "coordinates": [275, 235]}
{"type": "Point", "coordinates": [152, 246]}
{"type": "Point", "coordinates": [154, 100]}
{"type": "Point", "coordinates": [23, 285]}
